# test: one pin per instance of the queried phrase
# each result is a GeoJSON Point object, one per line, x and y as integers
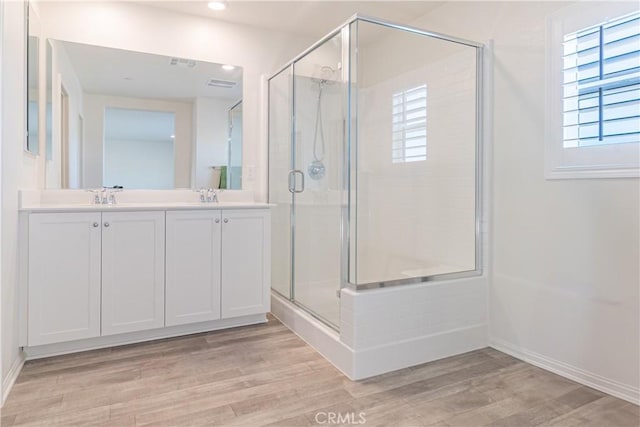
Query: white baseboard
{"type": "Point", "coordinates": [10, 379]}
{"type": "Point", "coordinates": [368, 362]}
{"type": "Point", "coordinates": [323, 339]}
{"type": "Point", "coordinates": [416, 351]}
{"type": "Point", "coordinates": [57, 349]}
{"type": "Point", "coordinates": [598, 382]}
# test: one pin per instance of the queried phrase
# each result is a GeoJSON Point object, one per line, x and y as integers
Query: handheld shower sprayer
{"type": "Point", "coordinates": [317, 168]}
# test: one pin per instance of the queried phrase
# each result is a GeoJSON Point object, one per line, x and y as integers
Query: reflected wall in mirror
{"type": "Point", "coordinates": [138, 120]}
{"type": "Point", "coordinates": [234, 171]}
{"type": "Point", "coordinates": [138, 148]}
{"type": "Point", "coordinates": [33, 77]}
{"type": "Point", "coordinates": [48, 104]}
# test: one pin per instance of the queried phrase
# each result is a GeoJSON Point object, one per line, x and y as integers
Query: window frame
{"type": "Point", "coordinates": [598, 161]}
{"type": "Point", "coordinates": [404, 158]}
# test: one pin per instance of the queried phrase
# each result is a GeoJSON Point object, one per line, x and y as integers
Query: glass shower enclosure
{"type": "Point", "coordinates": [374, 163]}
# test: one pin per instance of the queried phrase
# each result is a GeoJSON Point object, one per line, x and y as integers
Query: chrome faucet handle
{"type": "Point", "coordinates": [104, 196]}
{"type": "Point", "coordinates": [96, 196]}
{"type": "Point", "coordinates": [203, 197]}
{"type": "Point", "coordinates": [112, 197]}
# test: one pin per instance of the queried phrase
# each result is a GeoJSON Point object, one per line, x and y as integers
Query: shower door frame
{"type": "Point", "coordinates": [346, 219]}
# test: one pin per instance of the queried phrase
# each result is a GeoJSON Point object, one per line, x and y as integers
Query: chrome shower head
{"type": "Point", "coordinates": [324, 75]}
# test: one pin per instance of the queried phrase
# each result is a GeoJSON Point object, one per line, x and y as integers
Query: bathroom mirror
{"type": "Point", "coordinates": [138, 120]}
{"type": "Point", "coordinates": [33, 76]}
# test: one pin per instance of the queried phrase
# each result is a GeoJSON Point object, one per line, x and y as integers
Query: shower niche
{"type": "Point", "coordinates": [374, 163]}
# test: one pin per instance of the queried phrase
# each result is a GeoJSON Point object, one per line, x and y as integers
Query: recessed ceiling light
{"type": "Point", "coordinates": [217, 5]}
{"type": "Point", "coordinates": [228, 67]}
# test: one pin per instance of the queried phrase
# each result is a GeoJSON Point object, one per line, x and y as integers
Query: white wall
{"type": "Point", "coordinates": [19, 170]}
{"type": "Point", "coordinates": [139, 28]}
{"type": "Point", "coordinates": [2, 37]}
{"type": "Point", "coordinates": [212, 134]}
{"type": "Point", "coordinates": [93, 153]}
{"type": "Point", "coordinates": [565, 281]}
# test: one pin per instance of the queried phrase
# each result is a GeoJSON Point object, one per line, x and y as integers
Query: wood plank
{"type": "Point", "coordinates": [266, 375]}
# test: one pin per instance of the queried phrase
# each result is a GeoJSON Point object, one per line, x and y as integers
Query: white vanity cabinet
{"type": "Point", "coordinates": [64, 277]}
{"type": "Point", "coordinates": [101, 276]}
{"type": "Point", "coordinates": [218, 264]}
{"type": "Point", "coordinates": [132, 271]}
{"type": "Point", "coordinates": [193, 266]}
{"type": "Point", "coordinates": [93, 269]}
{"type": "Point", "coordinates": [246, 262]}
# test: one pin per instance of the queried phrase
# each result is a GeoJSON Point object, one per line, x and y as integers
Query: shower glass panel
{"type": "Point", "coordinates": [374, 142]}
{"type": "Point", "coordinates": [413, 162]}
{"type": "Point", "coordinates": [280, 163]}
{"type": "Point", "coordinates": [319, 111]}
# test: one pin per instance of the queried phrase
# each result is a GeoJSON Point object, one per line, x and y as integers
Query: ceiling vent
{"type": "Point", "coordinates": [221, 83]}
{"type": "Point", "coordinates": [181, 62]}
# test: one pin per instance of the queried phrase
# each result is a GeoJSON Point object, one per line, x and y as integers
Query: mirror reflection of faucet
{"type": "Point", "coordinates": [208, 195]}
{"type": "Point", "coordinates": [212, 196]}
{"type": "Point", "coordinates": [105, 196]}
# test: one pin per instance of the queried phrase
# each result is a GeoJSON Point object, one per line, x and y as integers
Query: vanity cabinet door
{"type": "Point", "coordinates": [246, 262]}
{"type": "Point", "coordinates": [64, 277]}
{"type": "Point", "coordinates": [132, 271]}
{"type": "Point", "coordinates": [193, 266]}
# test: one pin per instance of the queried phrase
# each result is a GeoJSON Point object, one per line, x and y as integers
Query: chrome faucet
{"type": "Point", "coordinates": [207, 195]}
{"type": "Point", "coordinates": [212, 196]}
{"type": "Point", "coordinates": [111, 198]}
{"type": "Point", "coordinates": [97, 199]}
{"type": "Point", "coordinates": [203, 197]}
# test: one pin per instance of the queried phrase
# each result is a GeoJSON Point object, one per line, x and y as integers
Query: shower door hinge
{"type": "Point", "coordinates": [338, 293]}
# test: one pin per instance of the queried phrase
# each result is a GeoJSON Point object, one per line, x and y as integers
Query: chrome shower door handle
{"type": "Point", "coordinates": [293, 181]}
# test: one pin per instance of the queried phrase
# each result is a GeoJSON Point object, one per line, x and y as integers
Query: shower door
{"type": "Point", "coordinates": [280, 163]}
{"type": "Point", "coordinates": [306, 179]}
{"type": "Point", "coordinates": [319, 113]}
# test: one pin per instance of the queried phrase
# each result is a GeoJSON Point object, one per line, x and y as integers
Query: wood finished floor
{"type": "Point", "coordinates": [266, 375]}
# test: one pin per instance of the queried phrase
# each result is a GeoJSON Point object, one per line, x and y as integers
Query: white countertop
{"type": "Point", "coordinates": [134, 200]}
{"type": "Point", "coordinates": [159, 206]}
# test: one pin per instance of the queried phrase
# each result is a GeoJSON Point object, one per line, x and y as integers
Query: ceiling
{"type": "Point", "coordinates": [120, 72]}
{"type": "Point", "coordinates": [305, 18]}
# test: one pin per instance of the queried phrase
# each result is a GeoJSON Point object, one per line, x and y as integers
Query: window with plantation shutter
{"type": "Point", "coordinates": [592, 114]}
{"type": "Point", "coordinates": [601, 93]}
{"type": "Point", "coordinates": [409, 125]}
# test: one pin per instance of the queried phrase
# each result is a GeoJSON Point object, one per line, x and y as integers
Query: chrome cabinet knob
{"type": "Point", "coordinates": [217, 220]}
{"type": "Point", "coordinates": [106, 224]}
{"type": "Point", "coordinates": [226, 220]}
{"type": "Point", "coordinates": [95, 224]}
